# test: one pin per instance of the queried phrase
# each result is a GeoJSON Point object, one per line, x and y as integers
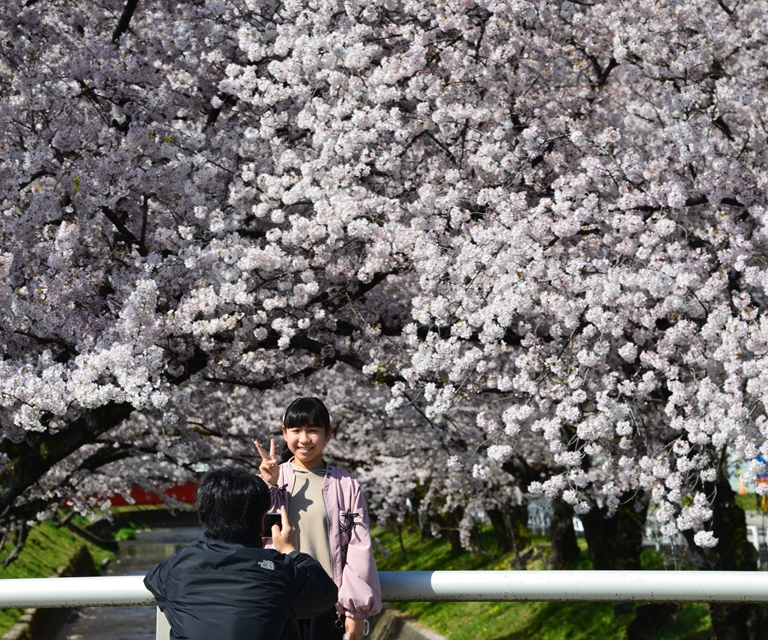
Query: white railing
{"type": "Point", "coordinates": [452, 586]}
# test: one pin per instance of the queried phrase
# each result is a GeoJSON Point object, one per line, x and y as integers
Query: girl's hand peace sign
{"type": "Point", "coordinates": [269, 468]}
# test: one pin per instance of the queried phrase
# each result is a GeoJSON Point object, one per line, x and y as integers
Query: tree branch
{"type": "Point", "coordinates": [213, 114]}
{"type": "Point", "coordinates": [602, 74]}
{"type": "Point", "coordinates": [34, 456]}
{"type": "Point", "coordinates": [264, 385]}
{"type": "Point", "coordinates": [129, 238]}
{"type": "Point", "coordinates": [33, 177]}
{"type": "Point", "coordinates": [144, 215]}
{"type": "Point", "coordinates": [358, 293]}
{"type": "Point", "coordinates": [21, 539]}
{"type": "Point", "coordinates": [725, 7]}
{"type": "Point", "coordinates": [690, 202]}
{"type": "Point", "coordinates": [42, 340]}
{"type": "Point", "coordinates": [31, 458]}
{"type": "Point", "coordinates": [125, 19]}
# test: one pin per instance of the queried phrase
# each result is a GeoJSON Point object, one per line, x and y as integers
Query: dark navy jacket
{"type": "Point", "coordinates": [227, 591]}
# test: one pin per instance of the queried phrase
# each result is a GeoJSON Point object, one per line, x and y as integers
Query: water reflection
{"type": "Point", "coordinates": [135, 557]}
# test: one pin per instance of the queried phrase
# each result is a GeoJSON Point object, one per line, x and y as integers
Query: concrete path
{"type": "Point", "coordinates": [393, 625]}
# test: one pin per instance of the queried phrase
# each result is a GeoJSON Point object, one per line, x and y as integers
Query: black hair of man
{"type": "Point", "coordinates": [231, 503]}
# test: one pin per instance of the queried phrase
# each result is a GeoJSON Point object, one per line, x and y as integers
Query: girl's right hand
{"type": "Point", "coordinates": [269, 468]}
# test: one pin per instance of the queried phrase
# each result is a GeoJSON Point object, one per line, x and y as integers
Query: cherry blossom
{"type": "Point", "coordinates": [540, 225]}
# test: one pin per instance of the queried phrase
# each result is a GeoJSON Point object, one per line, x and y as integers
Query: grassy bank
{"type": "Point", "coordinates": [519, 620]}
{"type": "Point", "coordinates": [47, 551]}
{"type": "Point", "coordinates": [749, 501]}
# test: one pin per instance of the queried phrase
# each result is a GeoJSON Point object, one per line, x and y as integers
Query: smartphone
{"type": "Point", "coordinates": [271, 519]}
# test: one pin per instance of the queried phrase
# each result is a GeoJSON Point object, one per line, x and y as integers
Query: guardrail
{"type": "Point", "coordinates": [449, 586]}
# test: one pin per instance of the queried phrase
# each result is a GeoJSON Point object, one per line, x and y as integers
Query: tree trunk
{"type": "Point", "coordinates": [565, 548]}
{"type": "Point", "coordinates": [615, 543]}
{"type": "Point", "coordinates": [403, 552]}
{"type": "Point", "coordinates": [733, 552]}
{"type": "Point", "coordinates": [519, 517]}
{"type": "Point", "coordinates": [453, 534]}
{"type": "Point", "coordinates": [504, 536]}
{"type": "Point", "coordinates": [649, 618]}
{"type": "Point", "coordinates": [510, 528]}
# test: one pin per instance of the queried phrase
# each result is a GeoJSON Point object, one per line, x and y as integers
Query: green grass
{"type": "Point", "coordinates": [48, 549]}
{"type": "Point", "coordinates": [748, 501]}
{"type": "Point", "coordinates": [519, 620]}
{"type": "Point", "coordinates": [125, 533]}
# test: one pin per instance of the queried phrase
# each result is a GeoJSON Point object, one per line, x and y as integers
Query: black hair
{"type": "Point", "coordinates": [231, 503]}
{"type": "Point", "coordinates": [307, 412]}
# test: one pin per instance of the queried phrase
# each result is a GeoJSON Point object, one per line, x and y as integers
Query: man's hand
{"type": "Point", "coordinates": [284, 539]}
{"type": "Point", "coordinates": [354, 628]}
{"type": "Point", "coordinates": [269, 468]}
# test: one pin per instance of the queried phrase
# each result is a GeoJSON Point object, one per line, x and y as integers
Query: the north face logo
{"type": "Point", "coordinates": [267, 564]}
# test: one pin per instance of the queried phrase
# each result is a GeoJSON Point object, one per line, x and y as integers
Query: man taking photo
{"type": "Point", "coordinates": [226, 585]}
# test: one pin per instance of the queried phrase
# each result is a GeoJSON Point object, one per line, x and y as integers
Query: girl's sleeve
{"type": "Point", "coordinates": [360, 591]}
{"type": "Point", "coordinates": [276, 496]}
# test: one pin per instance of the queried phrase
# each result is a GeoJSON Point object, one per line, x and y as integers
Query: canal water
{"type": "Point", "coordinates": [134, 557]}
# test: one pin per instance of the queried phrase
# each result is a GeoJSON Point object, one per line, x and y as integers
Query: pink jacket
{"type": "Point", "coordinates": [354, 569]}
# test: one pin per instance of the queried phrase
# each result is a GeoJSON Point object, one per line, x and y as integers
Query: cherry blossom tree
{"type": "Point", "coordinates": [135, 256]}
{"type": "Point", "coordinates": [547, 216]}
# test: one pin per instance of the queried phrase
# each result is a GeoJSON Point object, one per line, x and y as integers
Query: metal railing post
{"type": "Point", "coordinates": [162, 628]}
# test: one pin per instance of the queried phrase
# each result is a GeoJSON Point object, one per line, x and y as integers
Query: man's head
{"type": "Point", "coordinates": [231, 504]}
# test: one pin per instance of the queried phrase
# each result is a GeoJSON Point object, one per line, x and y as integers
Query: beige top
{"type": "Point", "coordinates": [306, 510]}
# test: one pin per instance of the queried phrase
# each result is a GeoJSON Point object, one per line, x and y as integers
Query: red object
{"type": "Point", "coordinates": [182, 492]}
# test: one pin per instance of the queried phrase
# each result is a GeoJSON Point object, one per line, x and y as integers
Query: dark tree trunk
{"type": "Point", "coordinates": [403, 552]}
{"type": "Point", "coordinates": [565, 548]}
{"type": "Point", "coordinates": [453, 520]}
{"type": "Point", "coordinates": [505, 538]}
{"type": "Point", "coordinates": [519, 516]}
{"type": "Point", "coordinates": [615, 543]}
{"type": "Point", "coordinates": [21, 537]}
{"type": "Point", "coordinates": [425, 527]}
{"type": "Point", "coordinates": [510, 528]}
{"type": "Point", "coordinates": [733, 552]}
{"type": "Point", "coordinates": [649, 618]}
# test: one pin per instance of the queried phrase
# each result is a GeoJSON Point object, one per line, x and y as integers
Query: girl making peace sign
{"type": "Point", "coordinates": [328, 510]}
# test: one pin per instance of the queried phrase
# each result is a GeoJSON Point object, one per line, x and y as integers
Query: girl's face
{"type": "Point", "coordinates": [307, 444]}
